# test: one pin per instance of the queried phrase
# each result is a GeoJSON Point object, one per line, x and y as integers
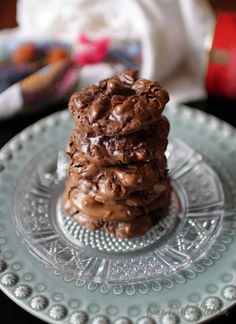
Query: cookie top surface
{"type": "Point", "coordinates": [120, 105]}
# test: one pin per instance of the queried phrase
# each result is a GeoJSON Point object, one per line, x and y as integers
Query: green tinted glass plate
{"type": "Point", "coordinates": [181, 271]}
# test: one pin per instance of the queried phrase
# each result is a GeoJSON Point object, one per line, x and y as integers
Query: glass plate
{"type": "Point", "coordinates": [193, 222]}
{"type": "Point", "coordinates": [182, 270]}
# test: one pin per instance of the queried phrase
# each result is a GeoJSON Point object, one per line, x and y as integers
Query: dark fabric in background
{"type": "Point", "coordinates": [224, 109]}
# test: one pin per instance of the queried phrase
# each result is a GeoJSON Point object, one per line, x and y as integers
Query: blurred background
{"type": "Point", "coordinates": [48, 49]}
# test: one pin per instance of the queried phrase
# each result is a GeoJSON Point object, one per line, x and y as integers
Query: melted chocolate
{"type": "Point", "coordinates": [121, 105]}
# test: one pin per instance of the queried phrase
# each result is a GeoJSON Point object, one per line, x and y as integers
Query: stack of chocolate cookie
{"type": "Point", "coordinates": [117, 174]}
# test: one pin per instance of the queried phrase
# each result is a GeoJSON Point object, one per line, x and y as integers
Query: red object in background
{"type": "Point", "coordinates": [91, 51]}
{"type": "Point", "coordinates": [221, 74]}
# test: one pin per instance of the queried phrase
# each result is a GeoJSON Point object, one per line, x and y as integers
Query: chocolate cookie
{"type": "Point", "coordinates": [104, 150]}
{"type": "Point", "coordinates": [118, 212]}
{"type": "Point", "coordinates": [117, 182]}
{"type": "Point", "coordinates": [131, 229]}
{"type": "Point", "coordinates": [138, 227]}
{"type": "Point", "coordinates": [136, 198]}
{"type": "Point", "coordinates": [117, 173]}
{"type": "Point", "coordinates": [120, 105]}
